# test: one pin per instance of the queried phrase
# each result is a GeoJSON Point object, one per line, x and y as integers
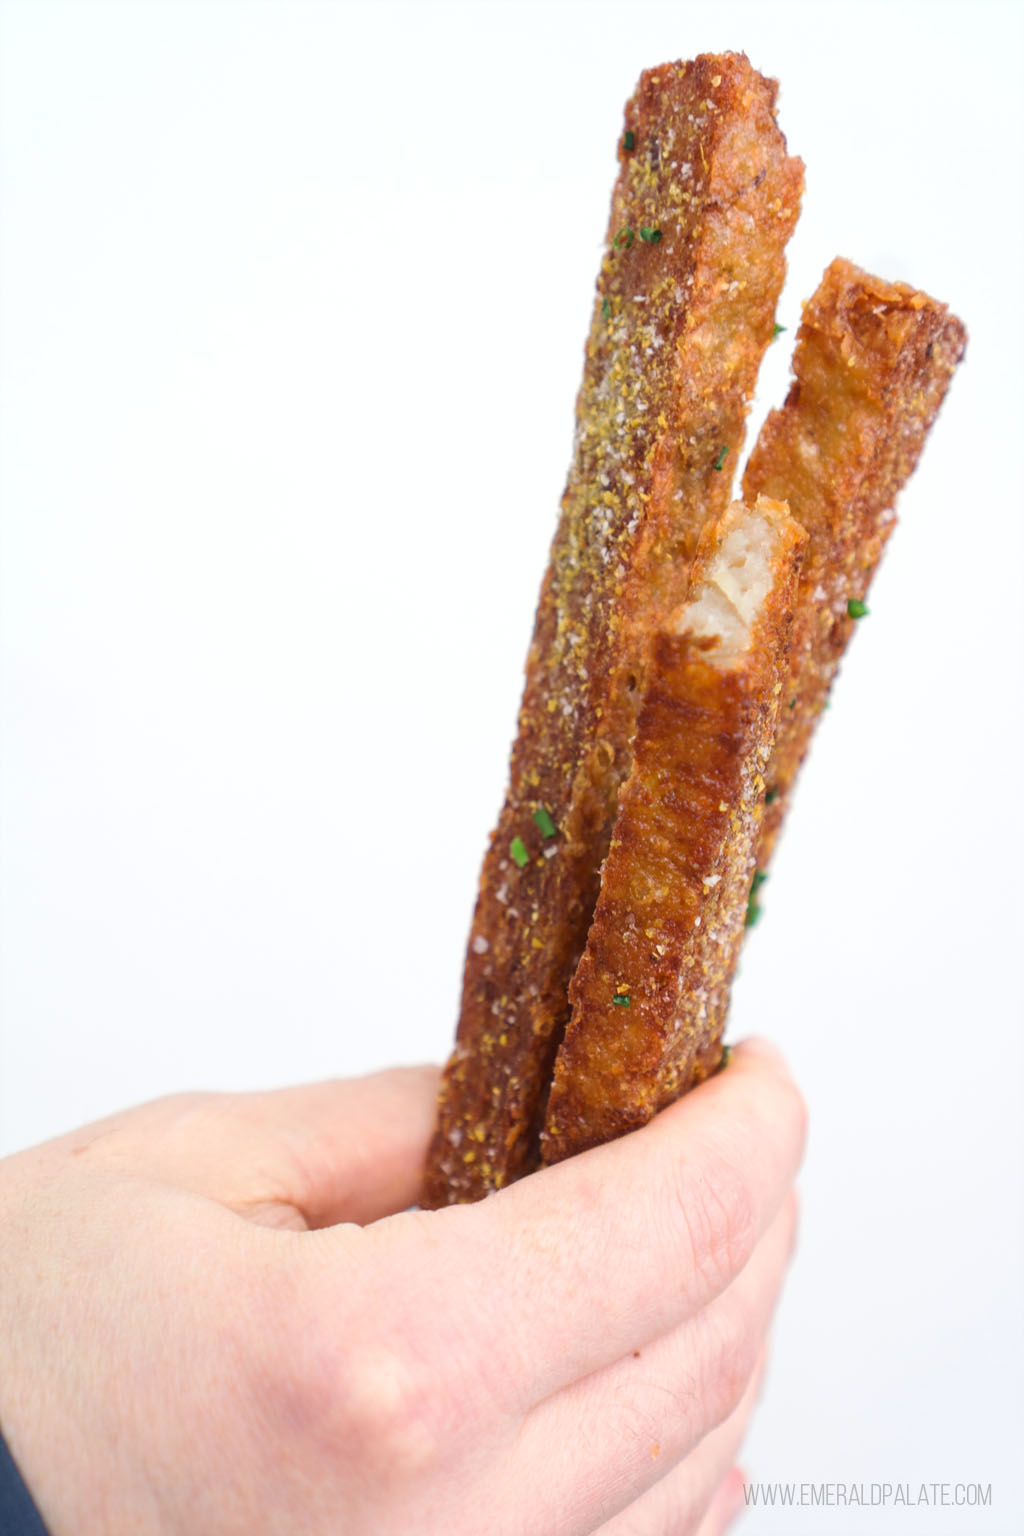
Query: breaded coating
{"type": "Point", "coordinates": [650, 995]}
{"type": "Point", "coordinates": [705, 200]}
{"type": "Point", "coordinates": [872, 363]}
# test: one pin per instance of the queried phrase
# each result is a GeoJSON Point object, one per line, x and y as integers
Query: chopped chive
{"type": "Point", "coordinates": [778, 331]}
{"type": "Point", "coordinates": [517, 848]}
{"type": "Point", "coordinates": [721, 457]}
{"type": "Point", "coordinates": [625, 237]}
{"type": "Point", "coordinates": [606, 309]}
{"type": "Point", "coordinates": [621, 999]}
{"type": "Point", "coordinates": [726, 1054]}
{"type": "Point", "coordinates": [792, 703]}
{"type": "Point", "coordinates": [771, 796]}
{"type": "Point", "coordinates": [856, 609]}
{"type": "Point", "coordinates": [629, 141]}
{"type": "Point", "coordinates": [753, 905]}
{"type": "Point", "coordinates": [650, 235]}
{"type": "Point", "coordinates": [542, 818]}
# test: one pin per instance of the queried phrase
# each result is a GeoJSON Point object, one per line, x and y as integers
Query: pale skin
{"type": "Point", "coordinates": [218, 1315]}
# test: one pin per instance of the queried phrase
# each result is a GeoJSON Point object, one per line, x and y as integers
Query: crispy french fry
{"type": "Point", "coordinates": [650, 994]}
{"type": "Point", "coordinates": [705, 201]}
{"type": "Point", "coordinates": [872, 363]}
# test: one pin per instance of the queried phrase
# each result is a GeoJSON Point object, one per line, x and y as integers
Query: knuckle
{"type": "Point", "coordinates": [732, 1360]}
{"type": "Point", "coordinates": [791, 1222]}
{"type": "Point", "coordinates": [386, 1409]}
{"type": "Point", "coordinates": [799, 1116]}
{"type": "Point", "coordinates": [719, 1215]}
{"type": "Point", "coordinates": [802, 1115]}
{"type": "Point", "coordinates": [356, 1386]}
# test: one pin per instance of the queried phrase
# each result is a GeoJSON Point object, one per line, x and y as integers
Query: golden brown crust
{"type": "Point", "coordinates": [679, 327]}
{"type": "Point", "coordinates": [872, 363]}
{"type": "Point", "coordinates": [650, 994]}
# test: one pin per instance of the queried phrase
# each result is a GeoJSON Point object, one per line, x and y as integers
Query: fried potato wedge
{"type": "Point", "coordinates": [705, 201]}
{"type": "Point", "coordinates": [872, 364]}
{"type": "Point", "coordinates": [650, 995]}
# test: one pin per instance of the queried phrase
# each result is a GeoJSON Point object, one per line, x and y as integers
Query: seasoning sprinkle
{"type": "Point", "coordinates": [778, 331]}
{"type": "Point", "coordinates": [726, 1056]}
{"type": "Point", "coordinates": [606, 309]}
{"type": "Point", "coordinates": [517, 848]}
{"type": "Point", "coordinates": [721, 458]}
{"type": "Point", "coordinates": [771, 796]}
{"type": "Point", "coordinates": [542, 818]}
{"type": "Point", "coordinates": [624, 238]}
{"type": "Point", "coordinates": [621, 999]}
{"type": "Point", "coordinates": [856, 609]}
{"type": "Point", "coordinates": [650, 235]}
{"type": "Point", "coordinates": [629, 141]}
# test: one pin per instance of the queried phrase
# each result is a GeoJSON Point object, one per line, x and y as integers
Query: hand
{"type": "Point", "coordinates": [213, 1321]}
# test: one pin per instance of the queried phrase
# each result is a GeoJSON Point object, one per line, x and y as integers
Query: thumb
{"type": "Point", "coordinates": [349, 1150]}
{"type": "Point", "coordinates": [353, 1149]}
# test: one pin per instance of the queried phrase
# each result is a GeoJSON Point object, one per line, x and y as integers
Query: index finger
{"type": "Point", "coordinates": [569, 1269]}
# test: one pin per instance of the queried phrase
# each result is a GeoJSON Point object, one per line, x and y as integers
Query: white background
{"type": "Point", "coordinates": [293, 305]}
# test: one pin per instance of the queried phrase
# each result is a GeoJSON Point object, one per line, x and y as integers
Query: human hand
{"type": "Point", "coordinates": [214, 1322]}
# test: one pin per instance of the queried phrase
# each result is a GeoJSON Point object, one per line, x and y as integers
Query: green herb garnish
{"type": "Point", "coordinates": [778, 331]}
{"type": "Point", "coordinates": [621, 999]}
{"type": "Point", "coordinates": [542, 818]}
{"type": "Point", "coordinates": [651, 236]}
{"type": "Point", "coordinates": [606, 309]}
{"type": "Point", "coordinates": [629, 141]}
{"type": "Point", "coordinates": [721, 458]}
{"type": "Point", "coordinates": [517, 848]}
{"type": "Point", "coordinates": [753, 905]}
{"type": "Point", "coordinates": [625, 237]}
{"type": "Point", "coordinates": [856, 609]}
{"type": "Point", "coordinates": [726, 1054]}
{"type": "Point", "coordinates": [771, 796]}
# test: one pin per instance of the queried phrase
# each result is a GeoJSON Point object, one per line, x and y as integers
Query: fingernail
{"type": "Point", "coordinates": [735, 1494]}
